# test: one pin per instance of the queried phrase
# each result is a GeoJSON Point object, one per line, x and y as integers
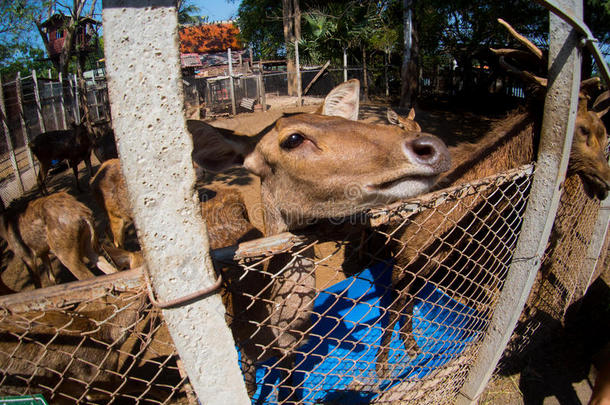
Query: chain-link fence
{"type": "Point", "coordinates": [93, 342]}
{"type": "Point", "coordinates": [31, 105]}
{"type": "Point", "coordinates": [561, 280]}
{"type": "Point", "coordinates": [312, 336]}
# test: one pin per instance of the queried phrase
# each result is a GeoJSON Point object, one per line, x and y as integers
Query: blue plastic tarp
{"type": "Point", "coordinates": [342, 346]}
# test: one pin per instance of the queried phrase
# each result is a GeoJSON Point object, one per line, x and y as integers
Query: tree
{"type": "Point", "coordinates": [408, 72]}
{"type": "Point", "coordinates": [17, 44]}
{"type": "Point", "coordinates": [291, 19]}
{"type": "Point", "coordinates": [597, 17]}
{"type": "Point", "coordinates": [260, 25]}
{"type": "Point", "coordinates": [468, 28]}
{"type": "Point", "coordinates": [73, 20]}
{"type": "Point", "coordinates": [188, 13]}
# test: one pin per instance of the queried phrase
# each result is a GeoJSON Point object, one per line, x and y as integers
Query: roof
{"type": "Point", "coordinates": [206, 38]}
{"type": "Point", "coordinates": [59, 19]}
{"type": "Point", "coordinates": [190, 60]}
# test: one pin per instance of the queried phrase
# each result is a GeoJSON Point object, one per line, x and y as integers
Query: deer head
{"type": "Point", "coordinates": [588, 154]}
{"type": "Point", "coordinates": [325, 164]}
{"type": "Point", "coordinates": [407, 123]}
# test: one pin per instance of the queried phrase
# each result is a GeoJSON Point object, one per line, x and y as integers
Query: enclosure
{"type": "Point", "coordinates": [107, 340]}
{"type": "Point", "coordinates": [34, 104]}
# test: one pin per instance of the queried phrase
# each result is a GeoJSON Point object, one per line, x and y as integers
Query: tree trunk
{"type": "Point", "coordinates": [365, 80]}
{"type": "Point", "coordinates": [82, 94]}
{"type": "Point", "coordinates": [409, 61]}
{"type": "Point", "coordinates": [289, 37]}
{"type": "Point", "coordinates": [386, 63]}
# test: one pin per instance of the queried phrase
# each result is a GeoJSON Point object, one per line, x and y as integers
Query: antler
{"type": "Point", "coordinates": [541, 81]}
{"type": "Point", "coordinates": [602, 104]}
{"type": "Point", "coordinates": [519, 55]}
{"type": "Point", "coordinates": [528, 44]}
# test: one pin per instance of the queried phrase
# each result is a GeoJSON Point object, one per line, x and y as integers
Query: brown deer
{"type": "Point", "coordinates": [306, 163]}
{"type": "Point", "coordinates": [601, 388]}
{"type": "Point", "coordinates": [67, 354]}
{"type": "Point", "coordinates": [57, 224]}
{"type": "Point", "coordinates": [110, 192]}
{"type": "Point", "coordinates": [407, 123]}
{"type": "Point", "coordinates": [72, 144]}
{"type": "Point", "coordinates": [511, 143]}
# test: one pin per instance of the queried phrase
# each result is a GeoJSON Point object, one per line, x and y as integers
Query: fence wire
{"type": "Point", "coordinates": [310, 324]}
{"type": "Point", "coordinates": [563, 278]}
{"type": "Point", "coordinates": [33, 105]}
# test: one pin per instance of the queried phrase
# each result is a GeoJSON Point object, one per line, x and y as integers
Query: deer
{"type": "Point", "coordinates": [407, 123]}
{"type": "Point", "coordinates": [393, 164]}
{"type": "Point", "coordinates": [509, 144]}
{"type": "Point", "coordinates": [110, 192]}
{"type": "Point", "coordinates": [68, 354]}
{"type": "Point", "coordinates": [104, 145]}
{"type": "Point", "coordinates": [72, 144]}
{"type": "Point", "coordinates": [57, 224]}
{"type": "Point", "coordinates": [601, 387]}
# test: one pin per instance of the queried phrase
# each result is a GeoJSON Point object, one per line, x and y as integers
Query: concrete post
{"type": "Point", "coordinates": [561, 105]}
{"type": "Point", "coordinates": [145, 91]}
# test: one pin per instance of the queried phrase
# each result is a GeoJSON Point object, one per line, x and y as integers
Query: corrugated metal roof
{"type": "Point", "coordinates": [216, 37]}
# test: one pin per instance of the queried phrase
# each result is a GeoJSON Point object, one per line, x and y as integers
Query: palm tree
{"type": "Point", "coordinates": [188, 13]}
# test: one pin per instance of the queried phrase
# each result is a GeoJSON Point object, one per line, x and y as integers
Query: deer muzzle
{"type": "Point", "coordinates": [428, 151]}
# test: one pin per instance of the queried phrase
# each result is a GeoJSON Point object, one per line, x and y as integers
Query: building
{"type": "Point", "coordinates": [56, 34]}
{"type": "Point", "coordinates": [203, 49]}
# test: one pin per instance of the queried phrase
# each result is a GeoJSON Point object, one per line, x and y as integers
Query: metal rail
{"type": "Point", "coordinates": [589, 40]}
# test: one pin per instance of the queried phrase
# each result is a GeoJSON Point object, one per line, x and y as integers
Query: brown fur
{"type": "Point", "coordinates": [337, 167]}
{"type": "Point", "coordinates": [110, 191]}
{"type": "Point", "coordinates": [354, 163]}
{"type": "Point", "coordinates": [508, 145]}
{"type": "Point", "coordinates": [601, 388]}
{"type": "Point", "coordinates": [58, 224]}
{"type": "Point", "coordinates": [407, 123]}
{"type": "Point", "coordinates": [73, 144]}
{"type": "Point", "coordinates": [55, 353]}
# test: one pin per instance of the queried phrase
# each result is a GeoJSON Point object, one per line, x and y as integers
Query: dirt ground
{"type": "Point", "coordinates": [556, 375]}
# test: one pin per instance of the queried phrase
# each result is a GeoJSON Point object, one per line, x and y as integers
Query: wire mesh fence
{"type": "Point", "coordinates": [310, 322]}
{"type": "Point", "coordinates": [563, 278]}
{"type": "Point", "coordinates": [32, 105]}
{"type": "Point", "coordinates": [92, 342]}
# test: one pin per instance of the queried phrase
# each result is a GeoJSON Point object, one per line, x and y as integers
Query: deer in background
{"type": "Point", "coordinates": [57, 224]}
{"type": "Point", "coordinates": [72, 144]}
{"type": "Point", "coordinates": [407, 123]}
{"type": "Point", "coordinates": [510, 144]}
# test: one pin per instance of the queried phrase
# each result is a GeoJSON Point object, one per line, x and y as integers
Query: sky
{"type": "Point", "coordinates": [217, 10]}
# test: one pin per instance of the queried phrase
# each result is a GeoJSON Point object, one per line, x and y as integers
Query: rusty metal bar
{"type": "Point", "coordinates": [145, 90]}
{"type": "Point", "coordinates": [561, 104]}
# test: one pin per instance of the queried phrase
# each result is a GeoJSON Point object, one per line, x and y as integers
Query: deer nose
{"type": "Point", "coordinates": [430, 151]}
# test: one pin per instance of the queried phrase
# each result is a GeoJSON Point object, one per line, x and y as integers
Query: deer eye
{"type": "Point", "coordinates": [585, 131]}
{"type": "Point", "coordinates": [292, 141]}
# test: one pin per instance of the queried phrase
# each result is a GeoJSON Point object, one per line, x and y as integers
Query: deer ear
{"type": "Point", "coordinates": [343, 100]}
{"type": "Point", "coordinates": [392, 117]}
{"type": "Point", "coordinates": [217, 149]}
{"type": "Point", "coordinates": [411, 115]}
